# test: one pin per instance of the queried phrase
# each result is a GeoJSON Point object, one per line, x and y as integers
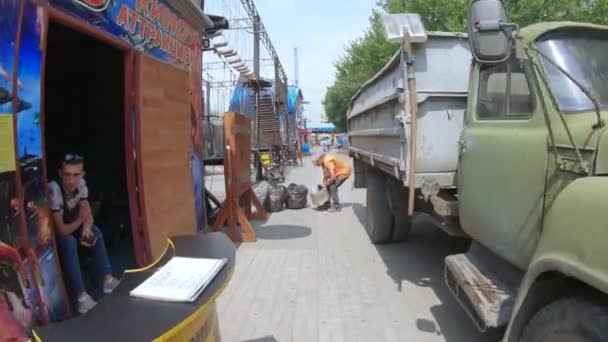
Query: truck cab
{"type": "Point", "coordinates": [531, 179]}
{"type": "Point", "coordinates": [504, 145]}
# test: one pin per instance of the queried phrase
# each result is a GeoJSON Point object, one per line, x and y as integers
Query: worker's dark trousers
{"type": "Point", "coordinates": [333, 191]}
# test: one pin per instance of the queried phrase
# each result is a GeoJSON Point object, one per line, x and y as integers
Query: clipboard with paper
{"type": "Point", "coordinates": [179, 280]}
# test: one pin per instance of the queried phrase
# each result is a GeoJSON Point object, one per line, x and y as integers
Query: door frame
{"type": "Point", "coordinates": [131, 138]}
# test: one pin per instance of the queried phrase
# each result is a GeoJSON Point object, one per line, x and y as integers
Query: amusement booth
{"type": "Point", "coordinates": [114, 84]}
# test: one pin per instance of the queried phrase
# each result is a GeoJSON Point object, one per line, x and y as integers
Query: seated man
{"type": "Point", "coordinates": [74, 225]}
{"type": "Point", "coordinates": [335, 172]}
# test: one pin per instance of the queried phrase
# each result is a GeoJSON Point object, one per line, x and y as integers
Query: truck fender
{"type": "Point", "coordinates": [572, 245]}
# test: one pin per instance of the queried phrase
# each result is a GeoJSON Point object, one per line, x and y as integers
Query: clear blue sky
{"type": "Point", "coordinates": [319, 29]}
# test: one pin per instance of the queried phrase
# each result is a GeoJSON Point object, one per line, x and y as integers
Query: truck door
{"type": "Point", "coordinates": [503, 159]}
{"type": "Point", "coordinates": [166, 139]}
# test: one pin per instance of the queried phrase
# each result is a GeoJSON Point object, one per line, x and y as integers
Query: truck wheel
{"type": "Point", "coordinates": [378, 212]}
{"type": "Point", "coordinates": [571, 319]}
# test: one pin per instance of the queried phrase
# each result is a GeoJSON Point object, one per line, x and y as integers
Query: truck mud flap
{"type": "Point", "coordinates": [360, 181]}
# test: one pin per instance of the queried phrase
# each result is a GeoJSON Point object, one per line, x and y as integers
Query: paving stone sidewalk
{"type": "Point", "coordinates": [314, 276]}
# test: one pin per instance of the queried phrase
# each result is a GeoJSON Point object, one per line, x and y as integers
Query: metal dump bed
{"type": "Point", "coordinates": [378, 120]}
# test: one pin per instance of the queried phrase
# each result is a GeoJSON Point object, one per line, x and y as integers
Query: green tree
{"type": "Point", "coordinates": [437, 15]}
{"type": "Point", "coordinates": [451, 15]}
{"type": "Point", "coordinates": [363, 57]}
{"type": "Point", "coordinates": [367, 55]}
{"type": "Point", "coordinates": [526, 12]}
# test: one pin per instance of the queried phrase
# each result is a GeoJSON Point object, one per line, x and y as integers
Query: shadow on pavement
{"type": "Point", "coordinates": [419, 261]}
{"type": "Point", "coordinates": [282, 232]}
{"type": "Point", "coordinates": [359, 211]}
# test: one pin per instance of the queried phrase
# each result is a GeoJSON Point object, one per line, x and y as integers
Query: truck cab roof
{"type": "Point", "coordinates": [533, 32]}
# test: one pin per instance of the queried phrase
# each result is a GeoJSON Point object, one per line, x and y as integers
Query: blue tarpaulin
{"type": "Point", "coordinates": [293, 94]}
{"type": "Point", "coordinates": [243, 100]}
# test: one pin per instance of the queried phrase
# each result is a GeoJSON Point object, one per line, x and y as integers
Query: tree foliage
{"type": "Point", "coordinates": [365, 56]}
{"type": "Point", "coordinates": [362, 59]}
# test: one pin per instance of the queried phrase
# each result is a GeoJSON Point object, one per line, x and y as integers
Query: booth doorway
{"type": "Point", "coordinates": [84, 113]}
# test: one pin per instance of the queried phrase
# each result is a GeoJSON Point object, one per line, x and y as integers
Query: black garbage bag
{"type": "Point", "coordinates": [298, 196]}
{"type": "Point", "coordinates": [275, 198]}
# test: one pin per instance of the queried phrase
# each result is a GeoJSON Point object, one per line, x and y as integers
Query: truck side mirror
{"type": "Point", "coordinates": [489, 31]}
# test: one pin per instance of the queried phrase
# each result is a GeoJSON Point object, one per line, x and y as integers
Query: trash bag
{"type": "Point", "coordinates": [275, 198]}
{"type": "Point", "coordinates": [298, 196]}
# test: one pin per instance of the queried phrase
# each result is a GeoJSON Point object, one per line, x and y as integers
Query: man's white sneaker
{"type": "Point", "coordinates": [85, 303]}
{"type": "Point", "coordinates": [109, 286]}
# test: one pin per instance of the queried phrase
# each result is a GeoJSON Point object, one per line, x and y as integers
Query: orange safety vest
{"type": "Point", "coordinates": [341, 168]}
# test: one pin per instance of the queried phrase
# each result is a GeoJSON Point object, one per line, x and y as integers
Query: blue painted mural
{"type": "Point", "coordinates": [15, 280]}
{"type": "Point", "coordinates": [9, 217]}
{"type": "Point", "coordinates": [29, 132]}
{"type": "Point", "coordinates": [30, 157]}
{"type": "Point", "coordinates": [8, 35]}
{"type": "Point", "coordinates": [150, 25]}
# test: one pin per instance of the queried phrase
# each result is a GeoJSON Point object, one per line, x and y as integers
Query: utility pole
{"type": "Point", "coordinates": [256, 72]}
{"type": "Point", "coordinates": [256, 47]}
{"type": "Point", "coordinates": [279, 101]}
{"type": "Point", "coordinates": [208, 114]}
{"type": "Point", "coordinates": [208, 100]}
{"type": "Point", "coordinates": [297, 71]}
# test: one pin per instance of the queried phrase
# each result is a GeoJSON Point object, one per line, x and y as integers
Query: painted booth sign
{"type": "Point", "coordinates": [151, 26]}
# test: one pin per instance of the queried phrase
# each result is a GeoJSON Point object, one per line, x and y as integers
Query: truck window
{"type": "Point", "coordinates": [504, 92]}
{"type": "Point", "coordinates": [581, 52]}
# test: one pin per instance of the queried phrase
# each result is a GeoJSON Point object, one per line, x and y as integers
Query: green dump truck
{"type": "Point", "coordinates": [507, 148]}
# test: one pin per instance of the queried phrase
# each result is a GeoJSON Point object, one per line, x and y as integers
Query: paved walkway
{"type": "Point", "coordinates": [314, 276]}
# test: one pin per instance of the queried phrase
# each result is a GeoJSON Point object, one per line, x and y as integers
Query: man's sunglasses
{"type": "Point", "coordinates": [72, 157]}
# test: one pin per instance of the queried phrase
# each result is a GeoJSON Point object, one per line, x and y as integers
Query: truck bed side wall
{"type": "Point", "coordinates": [377, 114]}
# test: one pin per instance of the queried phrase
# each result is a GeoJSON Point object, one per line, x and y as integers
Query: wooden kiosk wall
{"type": "Point", "coordinates": [165, 141]}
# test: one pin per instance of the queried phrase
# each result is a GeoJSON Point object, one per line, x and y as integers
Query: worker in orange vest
{"type": "Point", "coordinates": [335, 172]}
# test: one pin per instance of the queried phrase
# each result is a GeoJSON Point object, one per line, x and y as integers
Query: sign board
{"type": "Point", "coordinates": [151, 26]}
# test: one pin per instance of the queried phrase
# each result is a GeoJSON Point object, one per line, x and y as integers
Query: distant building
{"type": "Point", "coordinates": [322, 127]}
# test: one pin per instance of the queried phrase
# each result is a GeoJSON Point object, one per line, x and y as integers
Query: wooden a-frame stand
{"type": "Point", "coordinates": [240, 198]}
{"type": "Point", "coordinates": [238, 209]}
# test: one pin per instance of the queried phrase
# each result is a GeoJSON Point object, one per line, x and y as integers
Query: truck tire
{"type": "Point", "coordinates": [397, 198]}
{"type": "Point", "coordinates": [570, 319]}
{"type": "Point", "coordinates": [379, 217]}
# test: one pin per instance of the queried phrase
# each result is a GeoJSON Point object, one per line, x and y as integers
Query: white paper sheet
{"type": "Point", "coordinates": [180, 280]}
